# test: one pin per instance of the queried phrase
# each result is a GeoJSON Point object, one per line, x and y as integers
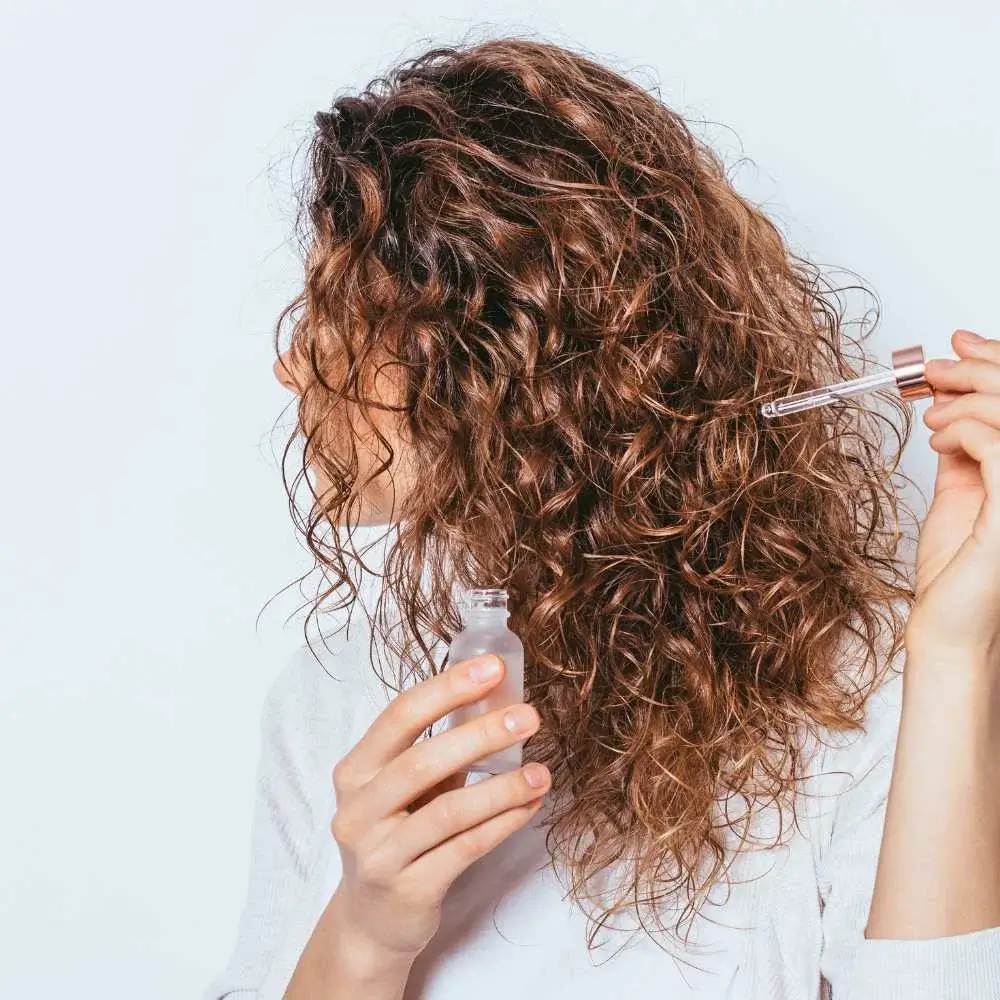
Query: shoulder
{"type": "Point", "coordinates": [310, 704]}
{"type": "Point", "coordinates": [874, 742]}
{"type": "Point", "coordinates": [848, 779]}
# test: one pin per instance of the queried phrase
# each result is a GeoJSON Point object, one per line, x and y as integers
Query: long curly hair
{"type": "Point", "coordinates": [581, 317]}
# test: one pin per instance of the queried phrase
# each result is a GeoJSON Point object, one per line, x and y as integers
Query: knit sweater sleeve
{"type": "Point", "coordinates": [855, 967]}
{"type": "Point", "coordinates": [290, 838]}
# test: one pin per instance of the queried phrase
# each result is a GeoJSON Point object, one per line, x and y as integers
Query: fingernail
{"type": "Point", "coordinates": [480, 671]}
{"type": "Point", "coordinates": [518, 719]}
{"type": "Point", "coordinates": [969, 335]}
{"type": "Point", "coordinates": [535, 775]}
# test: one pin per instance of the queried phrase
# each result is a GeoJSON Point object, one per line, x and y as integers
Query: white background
{"type": "Point", "coordinates": [146, 212]}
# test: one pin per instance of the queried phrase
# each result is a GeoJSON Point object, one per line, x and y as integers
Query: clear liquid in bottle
{"type": "Point", "coordinates": [484, 621]}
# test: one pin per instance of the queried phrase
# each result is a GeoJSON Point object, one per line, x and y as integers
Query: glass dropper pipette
{"type": "Point", "coordinates": [906, 373]}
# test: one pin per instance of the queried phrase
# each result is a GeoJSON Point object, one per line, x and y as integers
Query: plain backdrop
{"type": "Point", "coordinates": [149, 157]}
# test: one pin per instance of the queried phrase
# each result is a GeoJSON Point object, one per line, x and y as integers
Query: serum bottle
{"type": "Point", "coordinates": [484, 621]}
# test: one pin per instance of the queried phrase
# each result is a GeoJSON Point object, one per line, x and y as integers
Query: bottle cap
{"type": "Point", "coordinates": [908, 365]}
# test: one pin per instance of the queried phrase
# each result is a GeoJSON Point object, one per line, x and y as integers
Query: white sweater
{"type": "Point", "coordinates": [509, 931]}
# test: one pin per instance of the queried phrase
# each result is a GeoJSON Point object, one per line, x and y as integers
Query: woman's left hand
{"type": "Point", "coordinates": [957, 611]}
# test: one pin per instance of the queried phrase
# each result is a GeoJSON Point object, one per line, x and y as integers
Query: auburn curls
{"type": "Point", "coordinates": [581, 317]}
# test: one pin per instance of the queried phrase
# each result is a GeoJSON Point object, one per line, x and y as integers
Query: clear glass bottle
{"type": "Point", "coordinates": [484, 621]}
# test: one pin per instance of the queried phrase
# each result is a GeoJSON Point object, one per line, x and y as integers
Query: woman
{"type": "Point", "coordinates": [537, 327]}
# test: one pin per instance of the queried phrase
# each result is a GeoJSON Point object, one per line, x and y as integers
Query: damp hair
{"type": "Point", "coordinates": [581, 316]}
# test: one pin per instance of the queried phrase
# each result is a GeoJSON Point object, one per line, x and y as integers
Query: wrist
{"type": "Point", "coordinates": [359, 958]}
{"type": "Point", "coordinates": [365, 963]}
{"type": "Point", "coordinates": [960, 666]}
{"type": "Point", "coordinates": [934, 648]}
{"type": "Point", "coordinates": [952, 698]}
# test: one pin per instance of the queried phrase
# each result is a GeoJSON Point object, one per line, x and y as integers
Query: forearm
{"type": "Point", "coordinates": [337, 965]}
{"type": "Point", "coordinates": [939, 865]}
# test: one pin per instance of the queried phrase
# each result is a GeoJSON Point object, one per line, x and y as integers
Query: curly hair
{"type": "Point", "coordinates": [582, 317]}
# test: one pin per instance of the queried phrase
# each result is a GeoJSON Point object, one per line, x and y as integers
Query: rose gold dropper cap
{"type": "Point", "coordinates": [908, 365]}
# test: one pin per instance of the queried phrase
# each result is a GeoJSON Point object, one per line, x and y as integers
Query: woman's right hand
{"type": "Point", "coordinates": [406, 824]}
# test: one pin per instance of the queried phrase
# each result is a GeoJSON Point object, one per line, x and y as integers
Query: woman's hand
{"type": "Point", "coordinates": [407, 826]}
{"type": "Point", "coordinates": [939, 864]}
{"type": "Point", "coordinates": [956, 618]}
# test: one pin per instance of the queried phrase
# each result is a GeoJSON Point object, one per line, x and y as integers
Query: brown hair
{"type": "Point", "coordinates": [583, 316]}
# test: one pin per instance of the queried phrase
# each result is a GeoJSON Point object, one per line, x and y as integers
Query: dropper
{"type": "Point", "coordinates": [906, 373]}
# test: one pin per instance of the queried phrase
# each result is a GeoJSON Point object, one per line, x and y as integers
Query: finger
{"type": "Point", "coordinates": [970, 345]}
{"type": "Point", "coordinates": [423, 765]}
{"type": "Point", "coordinates": [941, 397]}
{"type": "Point", "coordinates": [410, 713]}
{"type": "Point", "coordinates": [434, 872]}
{"type": "Point", "coordinates": [460, 810]}
{"type": "Point", "coordinates": [453, 781]}
{"type": "Point", "coordinates": [981, 406]}
{"type": "Point", "coordinates": [981, 443]}
{"type": "Point", "coordinates": [966, 375]}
